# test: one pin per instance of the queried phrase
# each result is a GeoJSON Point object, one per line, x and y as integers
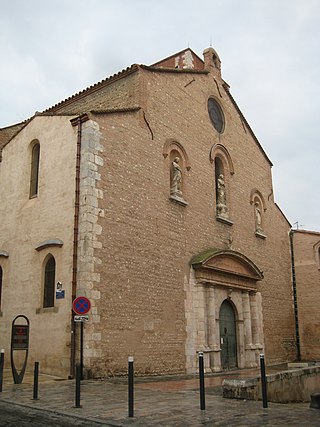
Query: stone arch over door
{"type": "Point", "coordinates": [217, 277]}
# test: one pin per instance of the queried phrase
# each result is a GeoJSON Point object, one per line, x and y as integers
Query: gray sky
{"type": "Point", "coordinates": [270, 53]}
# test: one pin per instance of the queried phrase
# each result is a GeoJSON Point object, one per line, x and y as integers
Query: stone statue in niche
{"type": "Point", "coordinates": [258, 217]}
{"type": "Point", "coordinates": [176, 178]}
{"type": "Point", "coordinates": [222, 209]}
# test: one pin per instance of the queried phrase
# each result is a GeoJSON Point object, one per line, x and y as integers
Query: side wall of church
{"type": "Point", "coordinates": [307, 268]}
{"type": "Point", "coordinates": [26, 222]}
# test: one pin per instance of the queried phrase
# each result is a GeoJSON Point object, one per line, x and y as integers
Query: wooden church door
{"type": "Point", "coordinates": [228, 336]}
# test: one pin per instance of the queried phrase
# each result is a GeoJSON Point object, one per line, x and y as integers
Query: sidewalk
{"type": "Point", "coordinates": [158, 402]}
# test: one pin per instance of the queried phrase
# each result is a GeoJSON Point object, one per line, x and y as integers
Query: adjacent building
{"type": "Point", "coordinates": [306, 285]}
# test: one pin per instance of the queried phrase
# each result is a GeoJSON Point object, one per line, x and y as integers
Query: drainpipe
{"type": "Point", "coordinates": [76, 122]}
{"type": "Point", "coordinates": [295, 301]}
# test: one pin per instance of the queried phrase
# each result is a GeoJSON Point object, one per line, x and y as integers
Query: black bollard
{"type": "Point", "coordinates": [130, 387]}
{"type": "Point", "coordinates": [263, 381]}
{"type": "Point", "coordinates": [78, 382]}
{"type": "Point", "coordinates": [201, 377]}
{"type": "Point", "coordinates": [1, 368]}
{"type": "Point", "coordinates": [35, 380]}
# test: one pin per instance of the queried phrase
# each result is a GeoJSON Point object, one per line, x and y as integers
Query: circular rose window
{"type": "Point", "coordinates": [216, 115]}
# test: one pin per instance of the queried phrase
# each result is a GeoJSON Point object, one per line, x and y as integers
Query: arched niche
{"type": "Point", "coordinates": [316, 249]}
{"type": "Point", "coordinates": [219, 150]}
{"type": "Point", "coordinates": [257, 194]}
{"type": "Point", "coordinates": [173, 145]}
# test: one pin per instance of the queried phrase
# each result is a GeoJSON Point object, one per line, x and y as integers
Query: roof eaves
{"type": "Point", "coordinates": [173, 70]}
{"type": "Point", "coordinates": [301, 231]}
{"type": "Point", "coordinates": [116, 110]}
{"type": "Point", "coordinates": [23, 125]}
{"type": "Point", "coordinates": [279, 209]}
{"type": "Point", "coordinates": [97, 86]}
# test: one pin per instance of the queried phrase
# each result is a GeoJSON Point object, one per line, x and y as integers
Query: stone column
{"type": "Point", "coordinates": [254, 317]}
{"type": "Point", "coordinates": [260, 336]}
{"type": "Point", "coordinates": [202, 324]}
{"type": "Point", "coordinates": [213, 335]}
{"type": "Point", "coordinates": [255, 326]}
{"type": "Point", "coordinates": [201, 315]}
{"type": "Point", "coordinates": [247, 318]}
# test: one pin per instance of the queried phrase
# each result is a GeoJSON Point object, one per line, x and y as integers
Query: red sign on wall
{"type": "Point", "coordinates": [81, 305]}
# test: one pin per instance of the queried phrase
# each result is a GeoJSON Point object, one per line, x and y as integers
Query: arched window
{"type": "Point", "coordinates": [0, 286]}
{"type": "Point", "coordinates": [34, 176]}
{"type": "Point", "coordinates": [49, 279]}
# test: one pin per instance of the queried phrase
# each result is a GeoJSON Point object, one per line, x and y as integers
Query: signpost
{"type": "Point", "coordinates": [81, 318]}
{"type": "Point", "coordinates": [81, 306]}
{"type": "Point", "coordinates": [19, 341]}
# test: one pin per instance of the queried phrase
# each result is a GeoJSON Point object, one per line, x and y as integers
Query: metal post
{"type": "Point", "coordinates": [78, 382]}
{"type": "Point", "coordinates": [35, 380]}
{"type": "Point", "coordinates": [130, 387]}
{"type": "Point", "coordinates": [263, 381]}
{"type": "Point", "coordinates": [1, 367]}
{"type": "Point", "coordinates": [81, 350]}
{"type": "Point", "coordinates": [201, 377]}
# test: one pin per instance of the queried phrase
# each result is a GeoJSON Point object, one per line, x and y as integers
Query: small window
{"type": "Point", "coordinates": [216, 115]}
{"type": "Point", "coordinates": [0, 286]}
{"type": "Point", "coordinates": [34, 177]}
{"type": "Point", "coordinates": [49, 278]}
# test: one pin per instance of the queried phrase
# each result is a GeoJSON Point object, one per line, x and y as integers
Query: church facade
{"type": "Point", "coordinates": [149, 194]}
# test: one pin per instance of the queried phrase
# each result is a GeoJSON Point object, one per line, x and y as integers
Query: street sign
{"type": "Point", "coordinates": [20, 337]}
{"type": "Point", "coordinates": [19, 341]}
{"type": "Point", "coordinates": [81, 305]}
{"type": "Point", "coordinates": [84, 318]}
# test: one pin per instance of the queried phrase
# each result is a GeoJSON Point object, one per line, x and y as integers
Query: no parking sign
{"type": "Point", "coordinates": [81, 305]}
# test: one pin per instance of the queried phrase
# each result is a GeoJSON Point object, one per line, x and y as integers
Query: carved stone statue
{"type": "Point", "coordinates": [258, 217]}
{"type": "Point", "coordinates": [176, 178]}
{"type": "Point", "coordinates": [222, 209]}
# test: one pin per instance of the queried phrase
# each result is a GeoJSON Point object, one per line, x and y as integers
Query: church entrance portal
{"type": "Point", "coordinates": [223, 311]}
{"type": "Point", "coordinates": [228, 337]}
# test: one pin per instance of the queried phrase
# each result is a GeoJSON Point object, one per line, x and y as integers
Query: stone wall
{"type": "Point", "coordinates": [27, 222]}
{"type": "Point", "coordinates": [283, 387]}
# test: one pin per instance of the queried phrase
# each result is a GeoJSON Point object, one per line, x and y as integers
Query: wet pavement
{"type": "Point", "coordinates": [165, 401]}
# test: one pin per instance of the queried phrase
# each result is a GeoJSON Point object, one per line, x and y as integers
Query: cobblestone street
{"type": "Point", "coordinates": [158, 402]}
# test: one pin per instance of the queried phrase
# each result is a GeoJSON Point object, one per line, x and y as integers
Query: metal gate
{"type": "Point", "coordinates": [228, 336]}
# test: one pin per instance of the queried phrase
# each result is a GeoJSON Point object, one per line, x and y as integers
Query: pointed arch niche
{"type": "Point", "coordinates": [223, 170]}
{"type": "Point", "coordinates": [217, 276]}
{"type": "Point", "coordinates": [177, 165]}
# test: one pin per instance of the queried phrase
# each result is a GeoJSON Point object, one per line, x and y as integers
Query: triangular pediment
{"type": "Point", "coordinates": [228, 262]}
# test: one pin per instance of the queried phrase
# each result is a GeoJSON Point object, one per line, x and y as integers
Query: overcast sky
{"type": "Point", "coordinates": [270, 53]}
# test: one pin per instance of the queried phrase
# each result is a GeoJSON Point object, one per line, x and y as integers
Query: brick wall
{"type": "Point", "coordinates": [307, 268]}
{"type": "Point", "coordinates": [148, 240]}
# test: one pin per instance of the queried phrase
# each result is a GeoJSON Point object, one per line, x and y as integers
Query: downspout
{"type": "Point", "coordinates": [295, 301]}
{"type": "Point", "coordinates": [76, 122]}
